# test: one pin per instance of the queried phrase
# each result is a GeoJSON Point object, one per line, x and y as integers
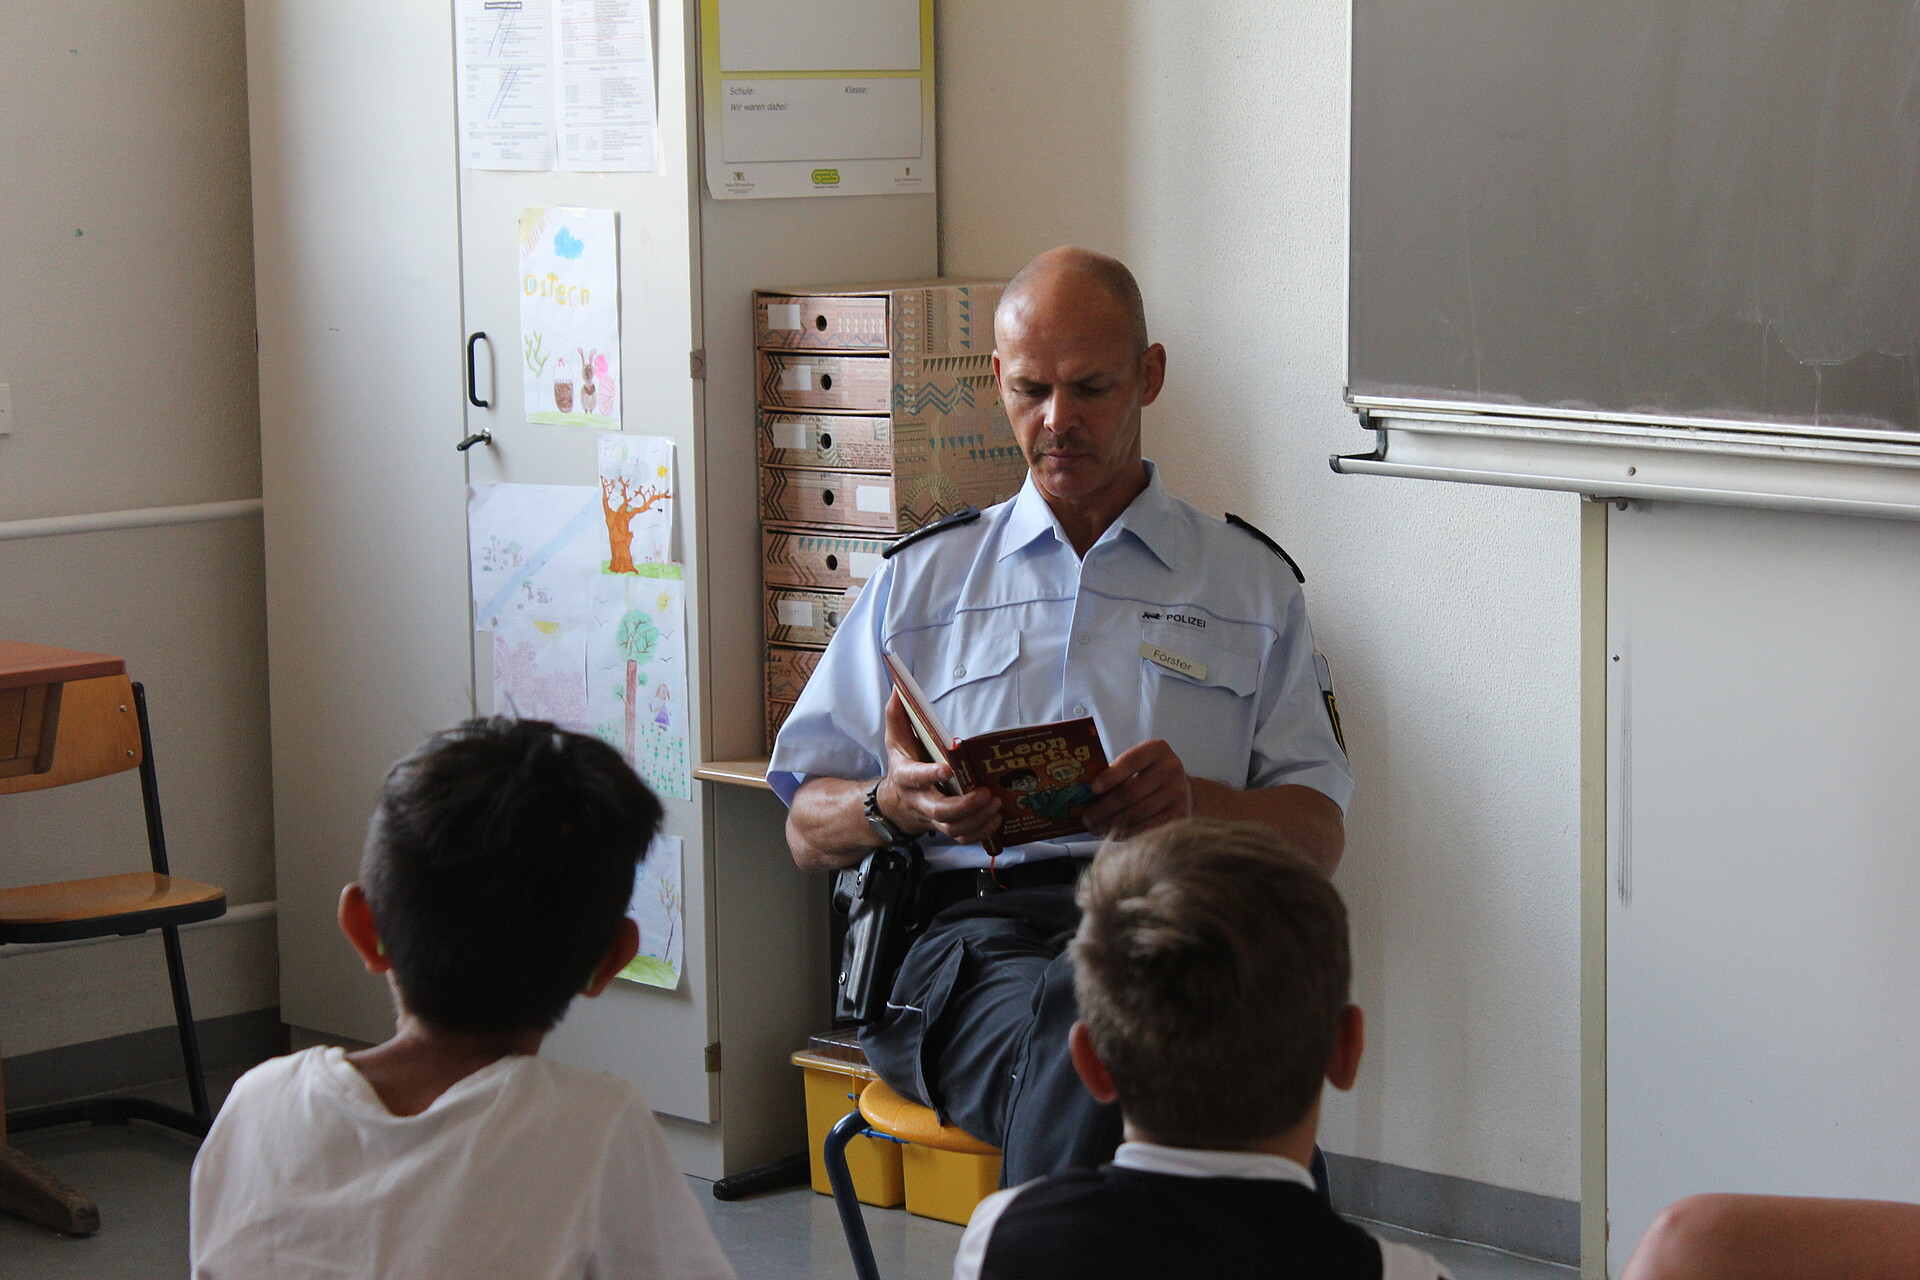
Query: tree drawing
{"type": "Point", "coordinates": [622, 499]}
{"type": "Point", "coordinates": [670, 903]}
{"type": "Point", "coordinates": [639, 640]}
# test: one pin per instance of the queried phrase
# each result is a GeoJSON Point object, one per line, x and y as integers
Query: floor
{"type": "Point", "coordinates": [138, 1176]}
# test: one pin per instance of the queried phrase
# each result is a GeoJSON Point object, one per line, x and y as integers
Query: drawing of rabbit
{"type": "Point", "coordinates": [586, 380]}
{"type": "Point", "coordinates": [562, 386]}
{"type": "Point", "coordinates": [603, 378]}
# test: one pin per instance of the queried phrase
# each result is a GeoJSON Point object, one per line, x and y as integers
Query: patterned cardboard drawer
{"type": "Point", "coordinates": [799, 616]}
{"type": "Point", "coordinates": [827, 441]}
{"type": "Point", "coordinates": [788, 670]}
{"type": "Point", "coordinates": [777, 713]}
{"type": "Point", "coordinates": [849, 499]}
{"type": "Point", "coordinates": [817, 558]}
{"type": "Point", "coordinates": [848, 384]}
{"type": "Point", "coordinates": [821, 322]}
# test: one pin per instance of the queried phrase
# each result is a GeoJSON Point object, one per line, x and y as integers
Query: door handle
{"type": "Point", "coordinates": [473, 383]}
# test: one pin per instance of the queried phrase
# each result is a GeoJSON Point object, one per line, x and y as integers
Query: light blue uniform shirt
{"type": "Point", "coordinates": [1004, 626]}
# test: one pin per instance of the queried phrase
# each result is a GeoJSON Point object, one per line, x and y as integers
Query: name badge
{"type": "Point", "coordinates": [1172, 661]}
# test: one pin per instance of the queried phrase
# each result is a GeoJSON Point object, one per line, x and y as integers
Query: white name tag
{"type": "Point", "coordinates": [783, 315]}
{"type": "Point", "coordinates": [862, 565]}
{"type": "Point", "coordinates": [792, 435]}
{"type": "Point", "coordinates": [873, 497]}
{"type": "Point", "coordinates": [797, 377]}
{"type": "Point", "coordinates": [799, 613]}
{"type": "Point", "coordinates": [1172, 661]}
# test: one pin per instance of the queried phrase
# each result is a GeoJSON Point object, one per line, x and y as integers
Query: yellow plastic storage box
{"type": "Point", "coordinates": [833, 1086]}
{"type": "Point", "coordinates": [947, 1184]}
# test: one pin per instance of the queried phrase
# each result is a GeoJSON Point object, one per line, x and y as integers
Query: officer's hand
{"type": "Point", "coordinates": [1142, 788]}
{"type": "Point", "coordinates": [911, 797]}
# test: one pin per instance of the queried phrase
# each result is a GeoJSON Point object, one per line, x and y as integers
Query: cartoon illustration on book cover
{"type": "Point", "coordinates": [1069, 792]}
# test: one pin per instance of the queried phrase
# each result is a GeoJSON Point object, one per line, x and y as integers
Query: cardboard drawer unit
{"type": "Point", "coordinates": [803, 380]}
{"type": "Point", "coordinates": [877, 414]}
{"type": "Point", "coordinates": [830, 559]}
{"type": "Point", "coordinates": [798, 615]}
{"type": "Point", "coordinates": [821, 322]}
{"type": "Point", "coordinates": [828, 441]}
{"type": "Point", "coordinates": [853, 500]}
{"type": "Point", "coordinates": [788, 669]}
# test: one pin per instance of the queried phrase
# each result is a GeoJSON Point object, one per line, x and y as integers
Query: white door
{"type": "Point", "coordinates": [356, 249]}
{"type": "Point", "coordinates": [654, 1037]}
{"type": "Point", "coordinates": [1763, 959]}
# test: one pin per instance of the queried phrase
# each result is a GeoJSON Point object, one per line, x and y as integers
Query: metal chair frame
{"type": "Point", "coordinates": [118, 1110]}
{"type": "Point", "coordinates": [854, 1226]}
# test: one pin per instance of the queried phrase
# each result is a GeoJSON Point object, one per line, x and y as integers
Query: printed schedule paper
{"type": "Point", "coordinates": [607, 110]}
{"type": "Point", "coordinates": [563, 84]}
{"type": "Point", "coordinates": [506, 89]}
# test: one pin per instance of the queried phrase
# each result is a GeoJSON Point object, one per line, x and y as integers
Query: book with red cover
{"type": "Point", "coordinates": [1042, 775]}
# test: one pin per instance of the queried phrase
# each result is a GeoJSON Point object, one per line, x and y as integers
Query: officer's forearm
{"type": "Point", "coordinates": [827, 824]}
{"type": "Point", "coordinates": [1300, 813]}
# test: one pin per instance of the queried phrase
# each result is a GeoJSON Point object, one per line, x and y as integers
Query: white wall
{"type": "Point", "coordinates": [1206, 146]}
{"type": "Point", "coordinates": [126, 334]}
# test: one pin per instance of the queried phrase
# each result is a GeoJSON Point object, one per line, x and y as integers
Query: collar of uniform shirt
{"type": "Point", "coordinates": [1149, 518]}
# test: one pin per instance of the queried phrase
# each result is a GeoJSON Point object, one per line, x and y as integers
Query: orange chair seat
{"type": "Point", "coordinates": [893, 1115]}
{"type": "Point", "coordinates": [129, 903]}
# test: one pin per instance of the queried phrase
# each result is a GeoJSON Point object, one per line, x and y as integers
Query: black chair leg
{"type": "Point", "coordinates": [849, 1127]}
{"type": "Point", "coordinates": [183, 1018]}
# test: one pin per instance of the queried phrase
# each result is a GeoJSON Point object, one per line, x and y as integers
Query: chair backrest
{"type": "Point", "coordinates": [99, 734]}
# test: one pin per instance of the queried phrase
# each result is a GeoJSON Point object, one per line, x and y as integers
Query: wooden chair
{"type": "Point", "coordinates": [102, 730]}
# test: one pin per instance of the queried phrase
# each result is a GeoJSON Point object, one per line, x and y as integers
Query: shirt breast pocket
{"type": "Point", "coordinates": [1201, 692]}
{"type": "Point", "coordinates": [976, 688]}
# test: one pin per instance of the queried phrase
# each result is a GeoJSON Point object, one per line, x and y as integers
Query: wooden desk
{"type": "Point", "coordinates": [31, 676]}
{"type": "Point", "coordinates": [30, 680]}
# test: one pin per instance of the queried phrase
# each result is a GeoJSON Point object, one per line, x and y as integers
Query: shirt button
{"type": "Point", "coordinates": [1082, 638]}
{"type": "Point", "coordinates": [958, 672]}
{"type": "Point", "coordinates": [1079, 710]}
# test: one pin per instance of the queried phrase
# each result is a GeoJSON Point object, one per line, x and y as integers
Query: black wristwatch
{"type": "Point", "coordinates": [877, 820]}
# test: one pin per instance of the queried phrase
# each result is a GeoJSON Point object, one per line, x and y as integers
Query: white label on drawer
{"type": "Point", "coordinates": [783, 315]}
{"type": "Point", "coordinates": [792, 435]}
{"type": "Point", "coordinates": [797, 377]}
{"type": "Point", "coordinates": [799, 613]}
{"type": "Point", "coordinates": [862, 565]}
{"type": "Point", "coordinates": [873, 497]}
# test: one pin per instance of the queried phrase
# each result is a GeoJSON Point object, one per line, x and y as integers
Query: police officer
{"type": "Point", "coordinates": [1092, 592]}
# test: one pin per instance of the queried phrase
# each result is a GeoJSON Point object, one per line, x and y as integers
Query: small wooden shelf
{"type": "Point", "coordinates": [739, 773]}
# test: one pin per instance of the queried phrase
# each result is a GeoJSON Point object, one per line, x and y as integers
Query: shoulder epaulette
{"type": "Point", "coordinates": [1272, 546]}
{"type": "Point", "coordinates": [965, 515]}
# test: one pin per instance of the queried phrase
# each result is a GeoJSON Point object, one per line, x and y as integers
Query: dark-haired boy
{"type": "Point", "coordinates": [493, 888]}
{"type": "Point", "coordinates": [1212, 969]}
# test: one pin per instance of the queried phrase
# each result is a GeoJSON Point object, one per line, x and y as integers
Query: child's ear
{"type": "Point", "coordinates": [626, 945]}
{"type": "Point", "coordinates": [356, 921]}
{"type": "Point", "coordinates": [1087, 1065]}
{"type": "Point", "coordinates": [1349, 1043]}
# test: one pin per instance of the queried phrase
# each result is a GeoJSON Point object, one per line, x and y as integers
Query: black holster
{"type": "Point", "coordinates": [879, 897]}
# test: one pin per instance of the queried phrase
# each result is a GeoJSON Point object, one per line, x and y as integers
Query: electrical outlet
{"type": "Point", "coordinates": [6, 409]}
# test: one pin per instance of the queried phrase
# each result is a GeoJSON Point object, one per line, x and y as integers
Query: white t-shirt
{"type": "Point", "coordinates": [528, 1169]}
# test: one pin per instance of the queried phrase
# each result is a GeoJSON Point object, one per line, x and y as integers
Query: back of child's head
{"type": "Point", "coordinates": [1212, 970]}
{"type": "Point", "coordinates": [498, 867]}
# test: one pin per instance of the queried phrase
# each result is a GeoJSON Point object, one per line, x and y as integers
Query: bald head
{"type": "Point", "coordinates": [1063, 280]}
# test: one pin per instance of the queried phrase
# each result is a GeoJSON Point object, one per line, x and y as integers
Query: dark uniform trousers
{"type": "Point", "coordinates": [977, 1029]}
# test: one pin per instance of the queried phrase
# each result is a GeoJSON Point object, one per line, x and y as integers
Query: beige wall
{"type": "Point", "coordinates": [1206, 145]}
{"type": "Point", "coordinates": [126, 334]}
